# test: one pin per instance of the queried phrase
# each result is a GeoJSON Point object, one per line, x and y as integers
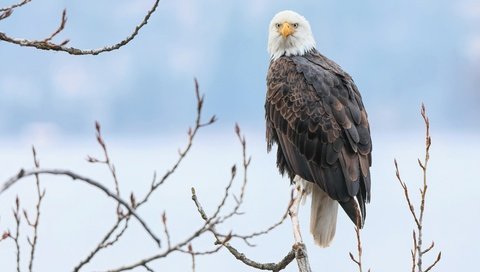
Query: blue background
{"type": "Point", "coordinates": [399, 53]}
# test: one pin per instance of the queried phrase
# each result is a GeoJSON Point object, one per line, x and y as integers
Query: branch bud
{"type": "Point", "coordinates": [133, 201]}
{"type": "Point", "coordinates": [97, 126]}
{"type": "Point", "coordinates": [164, 218]}
{"type": "Point", "coordinates": [5, 235]}
{"type": "Point", "coordinates": [190, 248]}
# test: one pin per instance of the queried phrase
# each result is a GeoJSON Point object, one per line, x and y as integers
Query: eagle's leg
{"type": "Point", "coordinates": [299, 247]}
{"type": "Point", "coordinates": [300, 193]}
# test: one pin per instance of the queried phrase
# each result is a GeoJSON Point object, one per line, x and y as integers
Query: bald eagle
{"type": "Point", "coordinates": [315, 115]}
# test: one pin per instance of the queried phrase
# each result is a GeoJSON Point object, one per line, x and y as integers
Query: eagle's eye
{"type": "Point", "coordinates": [295, 25]}
{"type": "Point", "coordinates": [277, 25]}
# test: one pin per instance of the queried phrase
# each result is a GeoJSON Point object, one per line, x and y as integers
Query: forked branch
{"type": "Point", "coordinates": [155, 185]}
{"type": "Point", "coordinates": [77, 177]}
{"type": "Point", "coordinates": [297, 251]}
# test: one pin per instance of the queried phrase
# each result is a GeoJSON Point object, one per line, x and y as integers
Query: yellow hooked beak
{"type": "Point", "coordinates": [286, 29]}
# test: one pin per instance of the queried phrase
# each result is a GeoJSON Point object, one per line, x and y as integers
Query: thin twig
{"type": "Point", "coordinates": [238, 255]}
{"type": "Point", "coordinates": [247, 237]}
{"type": "Point", "coordinates": [5, 14]}
{"type": "Point", "coordinates": [414, 251]}
{"type": "Point", "coordinates": [190, 251]}
{"type": "Point", "coordinates": [429, 248]}
{"type": "Point", "coordinates": [35, 224]}
{"type": "Point", "coordinates": [417, 252]}
{"type": "Point", "coordinates": [245, 164]}
{"type": "Point", "coordinates": [358, 260]}
{"type": "Point", "coordinates": [225, 196]}
{"type": "Point", "coordinates": [199, 123]}
{"type": "Point", "coordinates": [423, 191]}
{"type": "Point", "coordinates": [16, 215]}
{"type": "Point", "coordinates": [118, 235]}
{"type": "Point", "coordinates": [439, 256]}
{"type": "Point", "coordinates": [215, 219]}
{"type": "Point", "coordinates": [167, 233]}
{"type": "Point", "coordinates": [60, 27]}
{"type": "Point", "coordinates": [148, 268]}
{"type": "Point", "coordinates": [177, 247]}
{"type": "Point", "coordinates": [104, 243]}
{"type": "Point", "coordinates": [300, 249]}
{"type": "Point", "coordinates": [109, 164]}
{"type": "Point", "coordinates": [406, 193]}
{"type": "Point", "coordinates": [16, 5]}
{"type": "Point", "coordinates": [200, 253]}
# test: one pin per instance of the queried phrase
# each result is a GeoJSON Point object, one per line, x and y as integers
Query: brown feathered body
{"type": "Point", "coordinates": [315, 114]}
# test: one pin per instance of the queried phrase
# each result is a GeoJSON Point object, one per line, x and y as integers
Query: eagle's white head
{"type": "Point", "coordinates": [289, 34]}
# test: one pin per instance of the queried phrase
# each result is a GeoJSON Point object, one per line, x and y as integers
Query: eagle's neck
{"type": "Point", "coordinates": [278, 47]}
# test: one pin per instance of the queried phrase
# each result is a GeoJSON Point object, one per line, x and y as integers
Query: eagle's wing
{"type": "Point", "coordinates": [316, 116]}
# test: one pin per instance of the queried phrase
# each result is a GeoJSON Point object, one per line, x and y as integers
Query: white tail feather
{"type": "Point", "coordinates": [323, 217]}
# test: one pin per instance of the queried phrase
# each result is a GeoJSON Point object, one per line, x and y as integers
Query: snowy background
{"type": "Point", "coordinates": [400, 54]}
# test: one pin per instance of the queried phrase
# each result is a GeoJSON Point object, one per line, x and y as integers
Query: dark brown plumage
{"type": "Point", "coordinates": [315, 114]}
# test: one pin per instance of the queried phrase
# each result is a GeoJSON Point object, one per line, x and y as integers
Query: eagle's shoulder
{"type": "Point", "coordinates": [339, 96]}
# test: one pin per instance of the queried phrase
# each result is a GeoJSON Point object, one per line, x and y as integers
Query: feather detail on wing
{"type": "Point", "coordinates": [316, 116]}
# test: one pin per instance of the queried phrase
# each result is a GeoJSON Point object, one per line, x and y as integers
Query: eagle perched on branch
{"type": "Point", "coordinates": [315, 115]}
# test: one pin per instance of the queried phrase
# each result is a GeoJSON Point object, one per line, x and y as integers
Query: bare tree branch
{"type": "Point", "coordinates": [358, 260]}
{"type": "Point", "coordinates": [104, 243]}
{"type": "Point", "coordinates": [16, 5]}
{"type": "Point", "coordinates": [298, 251]}
{"type": "Point", "coordinates": [16, 238]}
{"type": "Point", "coordinates": [148, 268]}
{"type": "Point", "coordinates": [199, 123]}
{"type": "Point", "coordinates": [190, 251]}
{"type": "Point", "coordinates": [200, 253]}
{"type": "Point", "coordinates": [155, 185]}
{"type": "Point", "coordinates": [210, 223]}
{"type": "Point", "coordinates": [77, 177]}
{"type": "Point", "coordinates": [177, 247]}
{"type": "Point", "coordinates": [165, 228]}
{"type": "Point", "coordinates": [45, 44]}
{"type": "Point", "coordinates": [16, 215]}
{"type": "Point", "coordinates": [109, 164]}
{"type": "Point", "coordinates": [35, 224]}
{"type": "Point", "coordinates": [238, 255]}
{"type": "Point", "coordinates": [246, 238]}
{"type": "Point", "coordinates": [417, 252]}
{"type": "Point", "coordinates": [439, 256]}
{"type": "Point", "coordinates": [59, 29]}
{"type": "Point", "coordinates": [407, 196]}
{"type": "Point", "coordinates": [5, 14]}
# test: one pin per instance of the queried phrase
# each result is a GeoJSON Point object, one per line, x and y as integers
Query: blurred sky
{"type": "Point", "coordinates": [399, 53]}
